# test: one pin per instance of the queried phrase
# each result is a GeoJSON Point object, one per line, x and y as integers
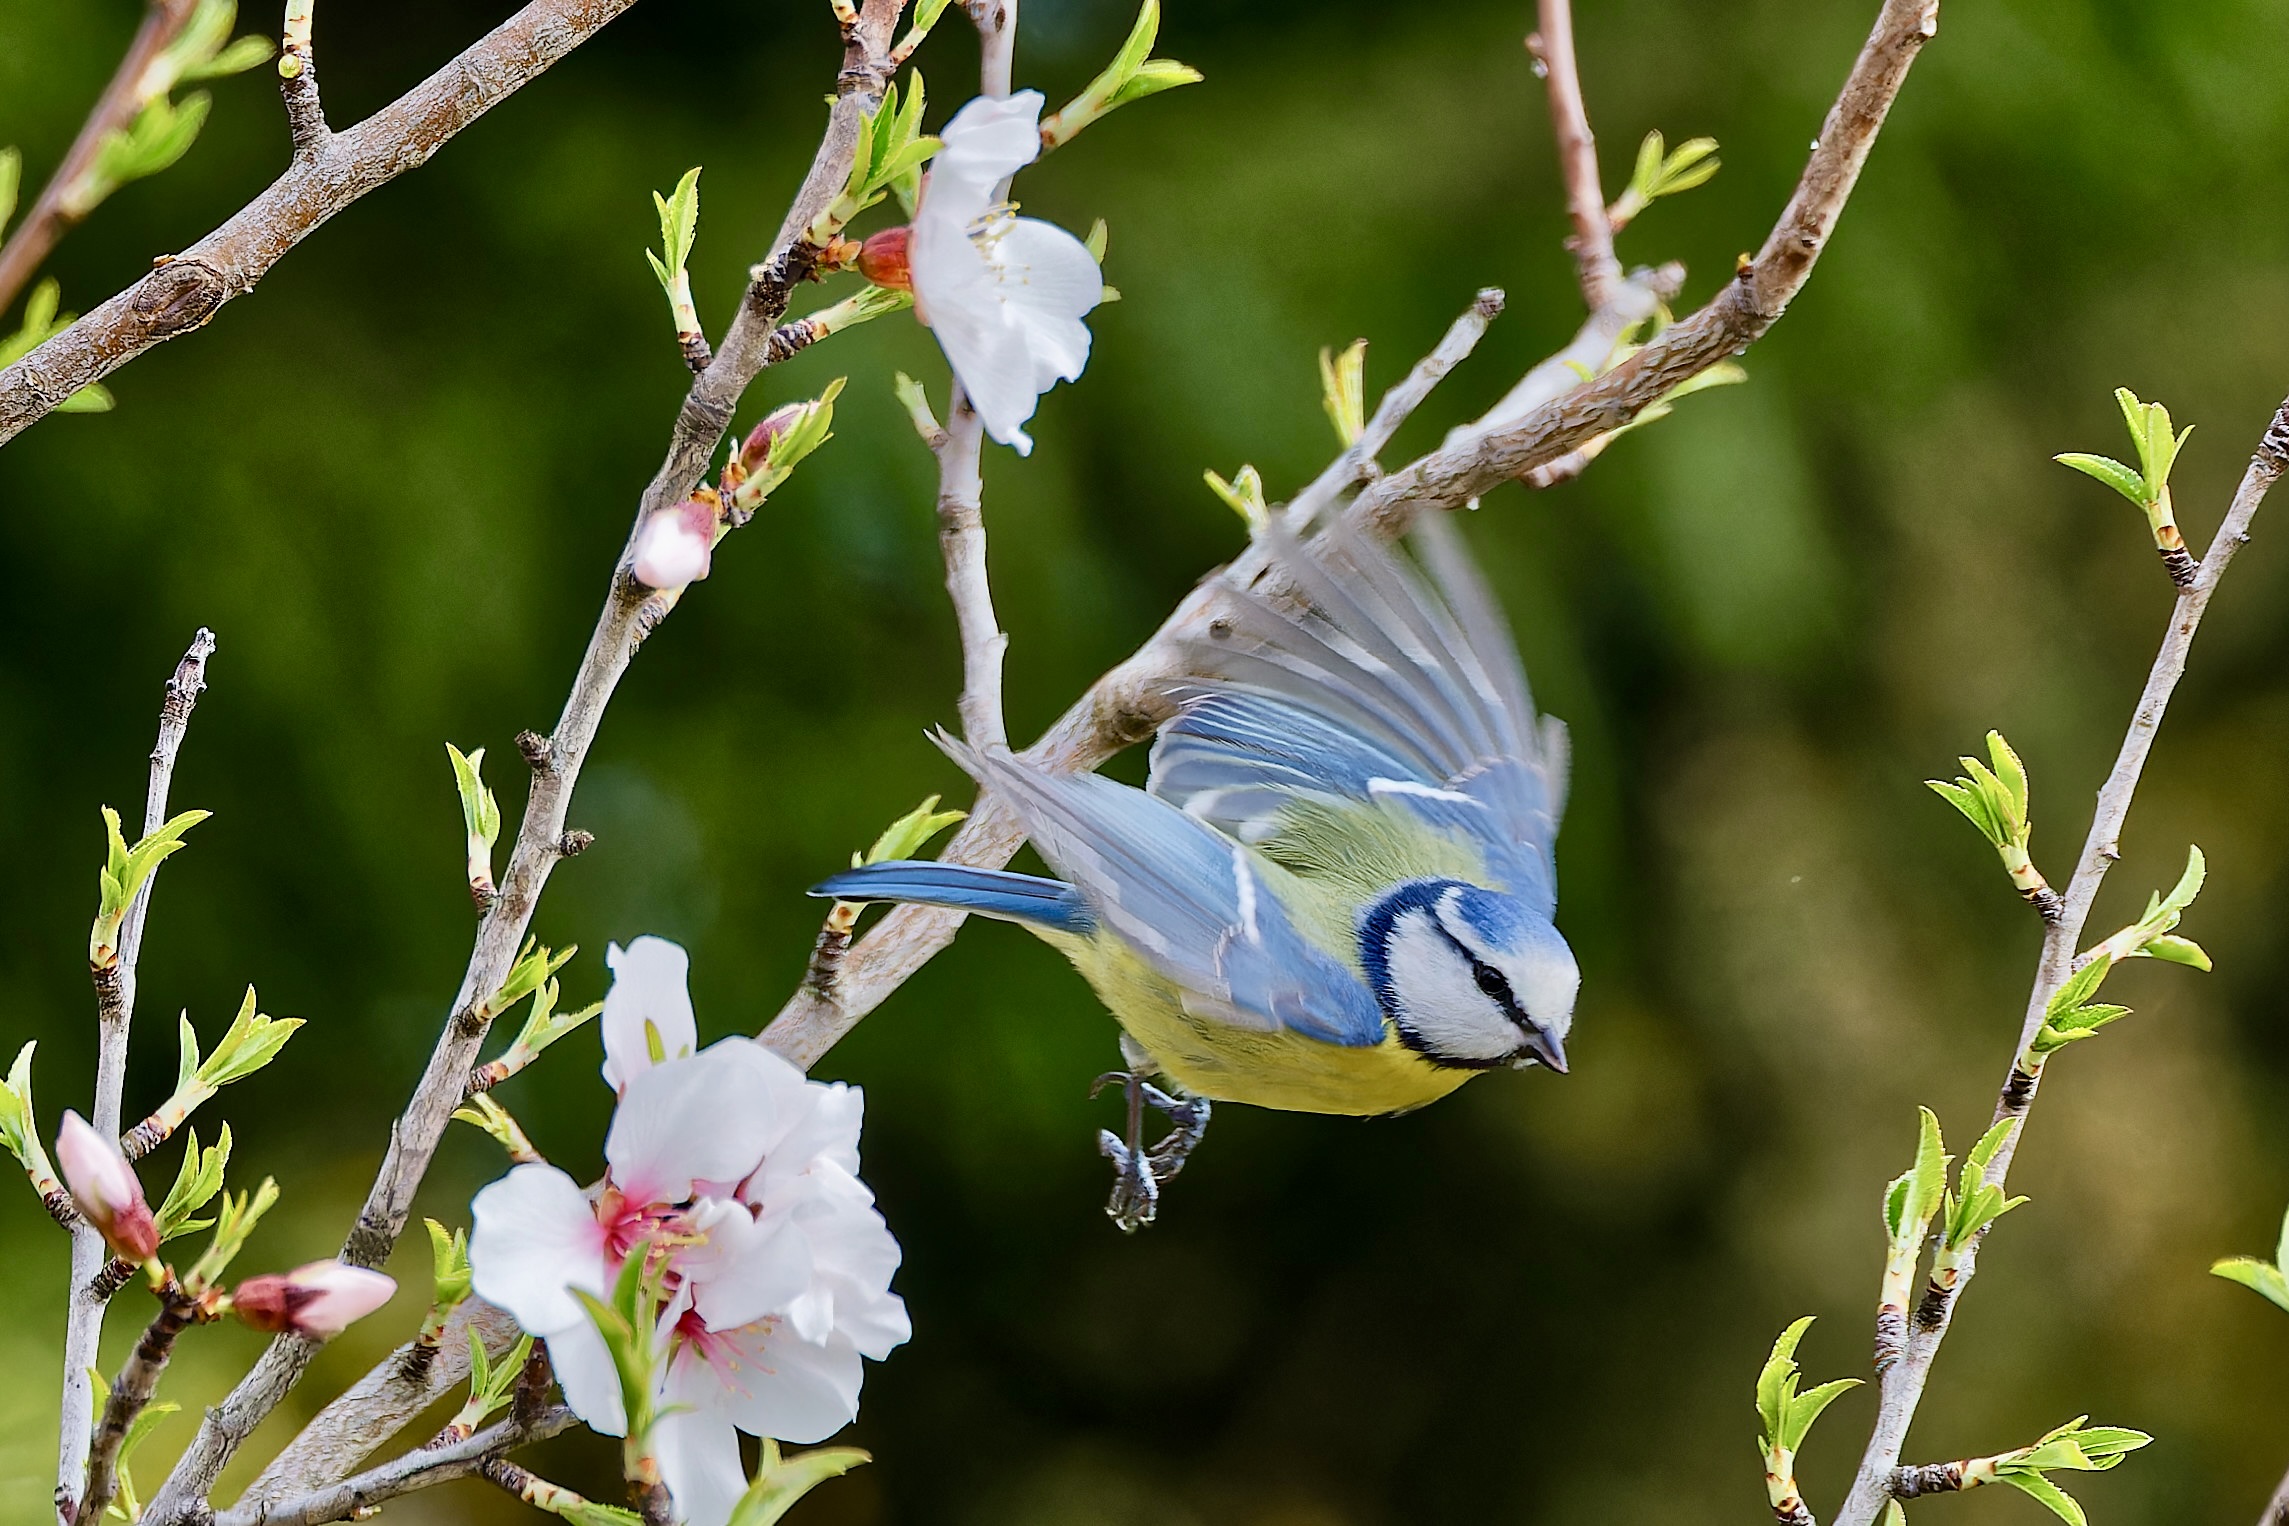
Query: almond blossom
{"type": "Point", "coordinates": [105, 1190]}
{"type": "Point", "coordinates": [739, 1178]}
{"type": "Point", "coordinates": [1004, 294]}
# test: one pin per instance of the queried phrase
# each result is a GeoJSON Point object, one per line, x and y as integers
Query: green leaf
{"type": "Point", "coordinates": [480, 811]}
{"type": "Point", "coordinates": [252, 1042]}
{"type": "Point", "coordinates": [1343, 390]}
{"type": "Point", "coordinates": [1916, 1195]}
{"type": "Point", "coordinates": [2130, 484]}
{"type": "Point", "coordinates": [245, 53]}
{"type": "Point", "coordinates": [2057, 1500]}
{"type": "Point", "coordinates": [233, 1224]}
{"type": "Point", "coordinates": [19, 1123]}
{"type": "Point", "coordinates": [2177, 950]}
{"type": "Point", "coordinates": [905, 837]}
{"type": "Point", "coordinates": [1972, 804]}
{"type": "Point", "coordinates": [1244, 495]}
{"type": "Point", "coordinates": [535, 966]}
{"type": "Point", "coordinates": [679, 225]}
{"type": "Point", "coordinates": [2010, 771]}
{"type": "Point", "coordinates": [1131, 76]}
{"type": "Point", "coordinates": [11, 182]}
{"type": "Point", "coordinates": [2259, 1277]}
{"type": "Point", "coordinates": [1776, 1384]}
{"type": "Point", "coordinates": [449, 1273]}
{"type": "Point", "coordinates": [782, 1480]}
{"type": "Point", "coordinates": [197, 1181]}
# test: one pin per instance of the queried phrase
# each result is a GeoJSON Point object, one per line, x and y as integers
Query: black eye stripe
{"type": "Point", "coordinates": [1491, 981]}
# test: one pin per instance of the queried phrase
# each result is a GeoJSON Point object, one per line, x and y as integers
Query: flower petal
{"type": "Point", "coordinates": [591, 1384]}
{"type": "Point", "coordinates": [990, 139]}
{"type": "Point", "coordinates": [1050, 280]}
{"type": "Point", "coordinates": [698, 1453]}
{"type": "Point", "coordinates": [702, 1118]}
{"type": "Point", "coordinates": [650, 1001]}
{"type": "Point", "coordinates": [746, 1270]}
{"type": "Point", "coordinates": [794, 1391]}
{"type": "Point", "coordinates": [534, 1238]}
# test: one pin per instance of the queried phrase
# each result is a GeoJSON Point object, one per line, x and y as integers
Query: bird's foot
{"type": "Point", "coordinates": [1138, 1172]}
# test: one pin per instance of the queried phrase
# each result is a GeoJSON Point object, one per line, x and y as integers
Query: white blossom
{"type": "Point", "coordinates": [1004, 294]}
{"type": "Point", "coordinates": [740, 1176]}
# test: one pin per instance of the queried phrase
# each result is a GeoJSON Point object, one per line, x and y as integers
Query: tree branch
{"type": "Point", "coordinates": [298, 84]}
{"type": "Point", "coordinates": [1903, 1382]}
{"type": "Point", "coordinates": [138, 1382]}
{"type": "Point", "coordinates": [1592, 242]}
{"type": "Point", "coordinates": [327, 174]}
{"type": "Point", "coordinates": [1124, 706]}
{"type": "Point", "coordinates": [52, 216]}
{"type": "Point", "coordinates": [556, 763]}
{"type": "Point", "coordinates": [115, 1013]}
{"type": "Point", "coordinates": [415, 1470]}
{"type": "Point", "coordinates": [378, 1406]}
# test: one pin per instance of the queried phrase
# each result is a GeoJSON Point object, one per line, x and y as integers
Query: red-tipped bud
{"type": "Point", "coordinates": [756, 453]}
{"type": "Point", "coordinates": [882, 260]}
{"type": "Point", "coordinates": [104, 1188]}
{"type": "Point", "coordinates": [675, 544]}
{"type": "Point", "coordinates": [322, 1299]}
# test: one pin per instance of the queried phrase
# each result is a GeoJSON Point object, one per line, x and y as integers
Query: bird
{"type": "Point", "coordinates": [1336, 892]}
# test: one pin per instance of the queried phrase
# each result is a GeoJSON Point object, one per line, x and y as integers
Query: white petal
{"type": "Point", "coordinates": [991, 138]}
{"type": "Point", "coordinates": [795, 1391]}
{"type": "Point", "coordinates": [698, 1453]}
{"type": "Point", "coordinates": [1050, 280]}
{"type": "Point", "coordinates": [591, 1384]}
{"type": "Point", "coordinates": [650, 991]}
{"type": "Point", "coordinates": [534, 1239]}
{"type": "Point", "coordinates": [703, 1118]}
{"type": "Point", "coordinates": [746, 1270]}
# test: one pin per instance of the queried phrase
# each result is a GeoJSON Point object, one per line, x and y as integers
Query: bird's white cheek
{"type": "Point", "coordinates": [1439, 997]}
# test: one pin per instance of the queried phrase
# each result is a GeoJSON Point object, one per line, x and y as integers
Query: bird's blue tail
{"type": "Point", "coordinates": [1052, 905]}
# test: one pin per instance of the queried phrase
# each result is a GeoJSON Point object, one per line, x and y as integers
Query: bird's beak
{"type": "Point", "coordinates": [1546, 1048]}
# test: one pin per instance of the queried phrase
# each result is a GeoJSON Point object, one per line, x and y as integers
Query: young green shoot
{"type": "Point", "coordinates": [810, 429]}
{"type": "Point", "coordinates": [1343, 390]}
{"type": "Point", "coordinates": [236, 1221]}
{"type": "Point", "coordinates": [125, 869]}
{"type": "Point", "coordinates": [2151, 936]}
{"type": "Point", "coordinates": [251, 1042]}
{"type": "Point", "coordinates": [891, 150]}
{"type": "Point", "coordinates": [20, 1132]}
{"type": "Point", "coordinates": [1965, 1215]}
{"type": "Point", "coordinates": [544, 1025]}
{"type": "Point", "coordinates": [535, 967]}
{"type": "Point", "coordinates": [2147, 485]}
{"type": "Point", "coordinates": [1995, 801]}
{"type": "Point", "coordinates": [42, 322]}
{"type": "Point", "coordinates": [1131, 76]}
{"type": "Point", "coordinates": [480, 817]}
{"type": "Point", "coordinates": [487, 1114]}
{"type": "Point", "coordinates": [1660, 172]}
{"type": "Point", "coordinates": [781, 1480]}
{"type": "Point", "coordinates": [197, 1181]}
{"type": "Point", "coordinates": [1243, 495]}
{"type": "Point", "coordinates": [1910, 1204]}
{"type": "Point", "coordinates": [679, 229]}
{"type": "Point", "coordinates": [1788, 1417]}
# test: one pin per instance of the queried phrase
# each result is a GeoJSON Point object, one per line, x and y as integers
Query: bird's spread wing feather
{"type": "Point", "coordinates": [1191, 902]}
{"type": "Point", "coordinates": [1386, 685]}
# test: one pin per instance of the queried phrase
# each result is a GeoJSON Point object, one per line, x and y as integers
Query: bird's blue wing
{"type": "Point", "coordinates": [1383, 683]}
{"type": "Point", "coordinates": [1192, 903]}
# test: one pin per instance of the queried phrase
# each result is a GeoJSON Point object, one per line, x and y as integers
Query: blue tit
{"type": "Point", "coordinates": [1335, 893]}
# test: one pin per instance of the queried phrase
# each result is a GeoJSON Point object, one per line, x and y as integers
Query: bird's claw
{"type": "Point", "coordinates": [1138, 1172]}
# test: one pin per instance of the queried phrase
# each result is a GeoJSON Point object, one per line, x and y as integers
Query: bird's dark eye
{"type": "Point", "coordinates": [1491, 982]}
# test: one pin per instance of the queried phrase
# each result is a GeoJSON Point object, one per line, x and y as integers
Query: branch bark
{"type": "Point", "coordinates": [51, 216]}
{"type": "Point", "coordinates": [327, 174]}
{"type": "Point", "coordinates": [1592, 242]}
{"type": "Point", "coordinates": [1124, 706]}
{"type": "Point", "coordinates": [138, 1382]}
{"type": "Point", "coordinates": [416, 1470]}
{"type": "Point", "coordinates": [87, 1296]}
{"type": "Point", "coordinates": [556, 762]}
{"type": "Point", "coordinates": [1903, 1382]}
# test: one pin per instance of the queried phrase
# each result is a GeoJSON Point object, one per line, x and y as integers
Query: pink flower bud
{"type": "Point", "coordinates": [322, 1299]}
{"type": "Point", "coordinates": [756, 453]}
{"type": "Point", "coordinates": [675, 544]}
{"type": "Point", "coordinates": [104, 1187]}
{"type": "Point", "coordinates": [882, 260]}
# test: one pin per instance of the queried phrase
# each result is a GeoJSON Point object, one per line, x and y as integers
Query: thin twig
{"type": "Point", "coordinates": [1357, 463]}
{"type": "Point", "coordinates": [415, 1470]}
{"type": "Point", "coordinates": [53, 215]}
{"type": "Point", "coordinates": [1903, 1383]}
{"type": "Point", "coordinates": [378, 1406]}
{"type": "Point", "coordinates": [1592, 242]}
{"type": "Point", "coordinates": [557, 759]}
{"type": "Point", "coordinates": [138, 1382]}
{"type": "Point", "coordinates": [298, 84]}
{"type": "Point", "coordinates": [2277, 1508]}
{"type": "Point", "coordinates": [1122, 707]}
{"type": "Point", "coordinates": [115, 987]}
{"type": "Point", "coordinates": [185, 291]}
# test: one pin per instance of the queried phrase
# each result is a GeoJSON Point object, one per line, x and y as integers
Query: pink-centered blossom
{"type": "Point", "coordinates": [1004, 294]}
{"type": "Point", "coordinates": [740, 1177]}
{"type": "Point", "coordinates": [322, 1299]}
{"type": "Point", "coordinates": [105, 1190]}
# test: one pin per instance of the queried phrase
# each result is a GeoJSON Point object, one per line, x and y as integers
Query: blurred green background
{"type": "Point", "coordinates": [393, 478]}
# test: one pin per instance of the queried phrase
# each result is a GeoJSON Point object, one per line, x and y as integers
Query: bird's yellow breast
{"type": "Point", "coordinates": [1279, 1069]}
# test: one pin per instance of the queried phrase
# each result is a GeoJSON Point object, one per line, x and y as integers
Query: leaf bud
{"type": "Point", "coordinates": [755, 454]}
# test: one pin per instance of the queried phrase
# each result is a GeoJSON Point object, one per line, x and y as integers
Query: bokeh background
{"type": "Point", "coordinates": [393, 478]}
